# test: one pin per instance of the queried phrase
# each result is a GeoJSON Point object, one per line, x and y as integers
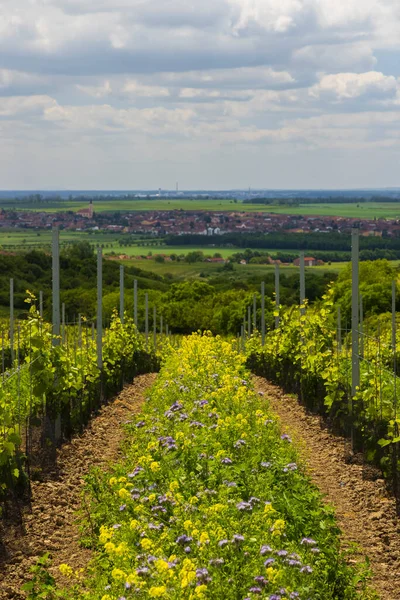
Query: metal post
{"type": "Point", "coordinates": [277, 295]}
{"type": "Point", "coordinates": [263, 313]}
{"type": "Point", "coordinates": [355, 303]}
{"type": "Point", "coordinates": [80, 330]}
{"type": "Point", "coordinates": [63, 323]}
{"type": "Point", "coordinates": [56, 286]}
{"type": "Point", "coordinates": [12, 319]}
{"type": "Point", "coordinates": [41, 304]}
{"type": "Point", "coordinates": [249, 320]}
{"type": "Point", "coordinates": [361, 327]}
{"type": "Point", "coordinates": [302, 282]}
{"type": "Point", "coordinates": [242, 336]}
{"type": "Point", "coordinates": [155, 327]}
{"type": "Point", "coordinates": [146, 318]}
{"type": "Point", "coordinates": [394, 345]}
{"type": "Point", "coordinates": [166, 330]}
{"type": "Point", "coordinates": [135, 302]}
{"type": "Point", "coordinates": [254, 312]}
{"type": "Point", "coordinates": [161, 325]}
{"type": "Point", "coordinates": [121, 294]}
{"type": "Point", "coordinates": [244, 326]}
{"type": "Point", "coordinates": [99, 308]}
{"type": "Point", "coordinates": [339, 329]}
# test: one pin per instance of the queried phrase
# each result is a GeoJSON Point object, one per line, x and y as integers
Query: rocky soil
{"type": "Point", "coordinates": [365, 510]}
{"type": "Point", "coordinates": [51, 524]}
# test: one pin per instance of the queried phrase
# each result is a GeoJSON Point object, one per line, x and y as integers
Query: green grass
{"type": "Point", "coordinates": [183, 270]}
{"type": "Point", "coordinates": [367, 210]}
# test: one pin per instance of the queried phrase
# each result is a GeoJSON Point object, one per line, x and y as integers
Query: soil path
{"type": "Point", "coordinates": [51, 526]}
{"type": "Point", "coordinates": [365, 511]}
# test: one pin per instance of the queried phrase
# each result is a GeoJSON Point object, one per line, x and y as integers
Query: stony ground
{"type": "Point", "coordinates": [51, 525]}
{"type": "Point", "coordinates": [366, 512]}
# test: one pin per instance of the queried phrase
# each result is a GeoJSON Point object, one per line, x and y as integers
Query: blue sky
{"type": "Point", "coordinates": [212, 93]}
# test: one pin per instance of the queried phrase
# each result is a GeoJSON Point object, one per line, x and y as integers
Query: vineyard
{"type": "Point", "coordinates": [209, 492]}
{"type": "Point", "coordinates": [210, 497]}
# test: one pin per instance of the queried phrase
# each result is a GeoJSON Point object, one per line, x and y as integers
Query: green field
{"type": "Point", "coordinates": [366, 210]}
{"type": "Point", "coordinates": [183, 270]}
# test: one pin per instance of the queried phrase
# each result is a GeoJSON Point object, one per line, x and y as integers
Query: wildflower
{"type": "Point", "coordinates": [286, 437]}
{"type": "Point", "coordinates": [237, 538]}
{"type": "Point", "coordinates": [183, 539]}
{"type": "Point", "coordinates": [157, 591]}
{"type": "Point", "coordinates": [255, 590]}
{"type": "Point", "coordinates": [226, 461]}
{"type": "Point", "coordinates": [146, 543]}
{"type": "Point", "coordinates": [222, 543]}
{"type": "Point", "coordinates": [306, 569]}
{"type": "Point", "coordinates": [66, 570]}
{"type": "Point", "coordinates": [269, 562]}
{"type": "Point", "coordinates": [118, 575]}
{"type": "Point", "coordinates": [265, 550]}
{"type": "Point", "coordinates": [290, 467]}
{"type": "Point", "coordinates": [265, 465]}
{"type": "Point", "coordinates": [154, 466]}
{"type": "Point", "coordinates": [308, 542]}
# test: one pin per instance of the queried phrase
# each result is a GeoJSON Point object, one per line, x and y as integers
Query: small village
{"type": "Point", "coordinates": [180, 222]}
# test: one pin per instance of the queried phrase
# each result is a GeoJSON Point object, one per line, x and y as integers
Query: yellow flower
{"type": "Point", "coordinates": [154, 466]}
{"type": "Point", "coordinates": [109, 547]}
{"type": "Point", "coordinates": [118, 575]}
{"type": "Point", "coordinates": [161, 565]}
{"type": "Point", "coordinates": [204, 538]}
{"type": "Point", "coordinates": [66, 570]}
{"type": "Point", "coordinates": [113, 481]}
{"type": "Point", "coordinates": [124, 494]}
{"type": "Point", "coordinates": [188, 525]}
{"type": "Point", "coordinates": [157, 591]}
{"type": "Point", "coordinates": [122, 480]}
{"type": "Point", "coordinates": [106, 597]}
{"type": "Point", "coordinates": [134, 524]}
{"type": "Point", "coordinates": [152, 497]}
{"type": "Point", "coordinates": [199, 591]}
{"type": "Point", "coordinates": [146, 543]}
{"type": "Point", "coordinates": [105, 534]}
{"type": "Point", "coordinates": [278, 527]}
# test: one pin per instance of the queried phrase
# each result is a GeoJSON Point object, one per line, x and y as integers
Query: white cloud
{"type": "Point", "coordinates": [347, 86]}
{"type": "Point", "coordinates": [298, 75]}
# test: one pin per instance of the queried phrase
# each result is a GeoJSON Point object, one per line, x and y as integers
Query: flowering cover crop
{"type": "Point", "coordinates": [210, 501]}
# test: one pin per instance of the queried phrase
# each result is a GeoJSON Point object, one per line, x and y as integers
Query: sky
{"type": "Point", "coordinates": [214, 94]}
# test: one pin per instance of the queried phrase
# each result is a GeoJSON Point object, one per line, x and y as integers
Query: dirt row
{"type": "Point", "coordinates": [51, 525]}
{"type": "Point", "coordinates": [366, 511]}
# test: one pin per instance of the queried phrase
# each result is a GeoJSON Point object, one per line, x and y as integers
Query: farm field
{"type": "Point", "coordinates": [366, 210]}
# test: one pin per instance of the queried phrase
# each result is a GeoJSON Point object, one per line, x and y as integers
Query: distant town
{"type": "Point", "coordinates": [200, 222]}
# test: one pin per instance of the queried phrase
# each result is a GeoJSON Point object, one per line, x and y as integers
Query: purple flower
{"type": "Point", "coordinates": [226, 461]}
{"type": "Point", "coordinates": [230, 483]}
{"type": "Point", "coordinates": [266, 465]}
{"type": "Point", "coordinates": [255, 590]}
{"type": "Point", "coordinates": [183, 539]}
{"type": "Point", "coordinates": [136, 472]}
{"type": "Point", "coordinates": [269, 561]}
{"type": "Point", "coordinates": [275, 597]}
{"type": "Point", "coordinates": [117, 526]}
{"type": "Point", "coordinates": [127, 586]}
{"type": "Point", "coordinates": [222, 543]}
{"type": "Point", "coordinates": [308, 542]}
{"type": "Point", "coordinates": [143, 571]}
{"type": "Point", "coordinates": [282, 553]}
{"type": "Point", "coordinates": [141, 424]}
{"type": "Point", "coordinates": [244, 506]}
{"type": "Point", "coordinates": [237, 538]}
{"type": "Point", "coordinates": [122, 507]}
{"type": "Point", "coordinates": [202, 575]}
{"type": "Point", "coordinates": [187, 550]}
{"type": "Point", "coordinates": [285, 436]}
{"type": "Point", "coordinates": [261, 580]}
{"type": "Point", "coordinates": [254, 500]}
{"type": "Point", "coordinates": [196, 424]}
{"type": "Point", "coordinates": [294, 595]}
{"type": "Point", "coordinates": [290, 467]}
{"type": "Point", "coordinates": [306, 569]}
{"type": "Point", "coordinates": [239, 444]}
{"type": "Point", "coordinates": [265, 550]}
{"type": "Point", "coordinates": [315, 550]}
{"type": "Point", "coordinates": [293, 563]}
{"type": "Point", "coordinates": [216, 561]}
